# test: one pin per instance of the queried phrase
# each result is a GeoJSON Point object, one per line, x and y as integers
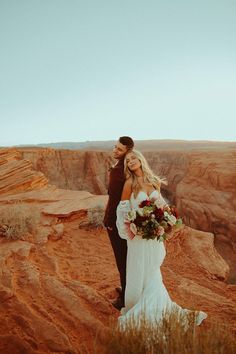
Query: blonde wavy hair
{"type": "Point", "coordinates": [148, 175]}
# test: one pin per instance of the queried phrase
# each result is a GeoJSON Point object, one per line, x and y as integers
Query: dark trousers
{"type": "Point", "coordinates": [120, 251]}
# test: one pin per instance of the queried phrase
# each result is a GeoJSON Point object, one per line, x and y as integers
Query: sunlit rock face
{"type": "Point", "coordinates": [72, 169]}
{"type": "Point", "coordinates": [201, 181]}
{"type": "Point", "coordinates": [202, 185]}
{"type": "Point", "coordinates": [57, 281]}
{"type": "Point", "coordinates": [17, 174]}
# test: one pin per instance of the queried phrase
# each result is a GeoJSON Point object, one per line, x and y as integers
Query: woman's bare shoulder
{"type": "Point", "coordinates": [129, 181]}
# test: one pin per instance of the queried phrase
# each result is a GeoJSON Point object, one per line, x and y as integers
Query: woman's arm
{"type": "Point", "coordinates": [122, 210]}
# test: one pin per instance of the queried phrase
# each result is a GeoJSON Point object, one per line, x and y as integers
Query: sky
{"type": "Point", "coordinates": [73, 70]}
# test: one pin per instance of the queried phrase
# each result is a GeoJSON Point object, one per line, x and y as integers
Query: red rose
{"type": "Point", "coordinates": [145, 203]}
{"type": "Point", "coordinates": [139, 219]}
{"type": "Point", "coordinates": [159, 213]}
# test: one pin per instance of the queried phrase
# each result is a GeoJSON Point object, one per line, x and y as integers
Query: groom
{"type": "Point", "coordinates": [116, 183]}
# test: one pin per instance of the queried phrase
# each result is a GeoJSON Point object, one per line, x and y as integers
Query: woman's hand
{"type": "Point", "coordinates": [166, 208]}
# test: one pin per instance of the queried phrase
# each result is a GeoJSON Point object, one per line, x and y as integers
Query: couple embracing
{"type": "Point", "coordinates": [138, 260]}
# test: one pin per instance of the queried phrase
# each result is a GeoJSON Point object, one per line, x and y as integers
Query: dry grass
{"type": "Point", "coordinates": [169, 337]}
{"type": "Point", "coordinates": [17, 220]}
{"type": "Point", "coordinates": [94, 219]}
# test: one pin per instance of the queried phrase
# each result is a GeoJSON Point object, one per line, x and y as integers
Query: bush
{"type": "Point", "coordinates": [168, 337]}
{"type": "Point", "coordinates": [17, 220]}
{"type": "Point", "coordinates": [94, 219]}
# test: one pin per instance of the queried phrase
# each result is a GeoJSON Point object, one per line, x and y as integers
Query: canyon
{"type": "Point", "coordinates": [57, 281]}
{"type": "Point", "coordinates": [201, 181]}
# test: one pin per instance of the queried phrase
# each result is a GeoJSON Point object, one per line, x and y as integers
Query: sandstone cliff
{"type": "Point", "coordinates": [56, 286]}
{"type": "Point", "coordinates": [56, 283]}
{"type": "Point", "coordinates": [17, 174]}
{"type": "Point", "coordinates": [200, 183]}
{"type": "Point", "coordinates": [75, 170]}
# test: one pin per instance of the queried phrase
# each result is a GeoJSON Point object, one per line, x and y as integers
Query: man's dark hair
{"type": "Point", "coordinates": [127, 141]}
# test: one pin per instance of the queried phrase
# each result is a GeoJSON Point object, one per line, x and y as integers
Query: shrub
{"type": "Point", "coordinates": [94, 219]}
{"type": "Point", "coordinates": [17, 220]}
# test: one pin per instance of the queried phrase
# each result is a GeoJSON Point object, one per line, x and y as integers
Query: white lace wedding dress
{"type": "Point", "coordinates": [145, 291]}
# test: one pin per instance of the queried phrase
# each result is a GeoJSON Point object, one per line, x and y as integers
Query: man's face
{"type": "Point", "coordinates": [119, 151]}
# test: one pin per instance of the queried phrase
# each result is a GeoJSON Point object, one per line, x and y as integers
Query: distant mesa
{"type": "Point", "coordinates": [144, 145]}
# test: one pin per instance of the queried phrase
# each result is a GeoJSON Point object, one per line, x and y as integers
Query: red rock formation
{"type": "Point", "coordinates": [75, 170]}
{"type": "Point", "coordinates": [206, 196]}
{"type": "Point", "coordinates": [57, 283]}
{"type": "Point", "coordinates": [201, 183]}
{"type": "Point", "coordinates": [17, 175]}
{"type": "Point", "coordinates": [43, 309]}
{"type": "Point", "coordinates": [55, 292]}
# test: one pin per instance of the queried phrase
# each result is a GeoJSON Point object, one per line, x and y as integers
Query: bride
{"type": "Point", "coordinates": [145, 291]}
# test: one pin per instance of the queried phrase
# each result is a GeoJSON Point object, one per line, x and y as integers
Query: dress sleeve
{"type": "Point", "coordinates": [122, 209]}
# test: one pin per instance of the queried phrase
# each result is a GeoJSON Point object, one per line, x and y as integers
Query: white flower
{"type": "Point", "coordinates": [172, 220]}
{"type": "Point", "coordinates": [133, 228]}
{"type": "Point", "coordinates": [140, 211]}
{"type": "Point", "coordinates": [131, 215]}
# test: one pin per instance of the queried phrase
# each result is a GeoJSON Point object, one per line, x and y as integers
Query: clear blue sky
{"type": "Point", "coordinates": [73, 70]}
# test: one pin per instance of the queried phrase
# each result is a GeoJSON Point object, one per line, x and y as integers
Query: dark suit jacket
{"type": "Point", "coordinates": [116, 184]}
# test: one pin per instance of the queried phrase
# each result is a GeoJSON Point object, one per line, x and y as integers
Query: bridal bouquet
{"type": "Point", "coordinates": [151, 221]}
